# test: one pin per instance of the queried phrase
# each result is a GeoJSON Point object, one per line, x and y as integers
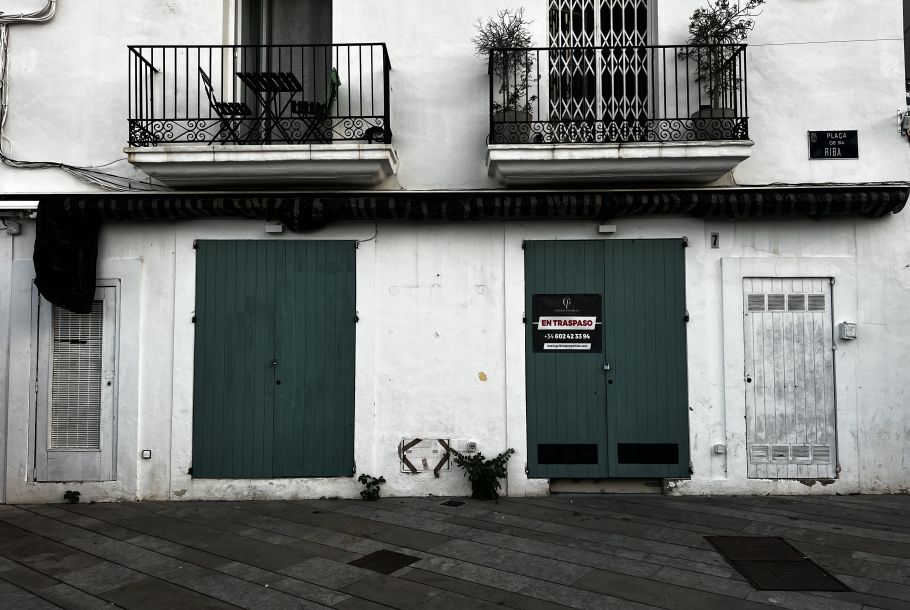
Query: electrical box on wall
{"type": "Point", "coordinates": [847, 331]}
{"type": "Point", "coordinates": [424, 455]}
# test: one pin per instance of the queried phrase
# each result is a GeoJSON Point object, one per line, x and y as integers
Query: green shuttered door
{"type": "Point", "coordinates": [274, 360]}
{"type": "Point", "coordinates": [630, 420]}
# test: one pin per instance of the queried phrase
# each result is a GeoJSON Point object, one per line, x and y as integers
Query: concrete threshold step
{"type": "Point", "coordinates": [606, 486]}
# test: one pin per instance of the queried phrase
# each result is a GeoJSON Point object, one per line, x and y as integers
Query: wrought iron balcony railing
{"type": "Point", "coordinates": [258, 94]}
{"type": "Point", "coordinates": [584, 95]}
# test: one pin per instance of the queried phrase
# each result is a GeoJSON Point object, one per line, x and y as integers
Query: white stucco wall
{"type": "Point", "coordinates": [440, 304]}
{"type": "Point", "coordinates": [818, 65]}
{"type": "Point", "coordinates": [68, 81]}
{"type": "Point", "coordinates": [812, 65]}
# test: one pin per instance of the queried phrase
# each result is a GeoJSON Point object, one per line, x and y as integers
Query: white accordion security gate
{"type": "Point", "coordinates": [600, 74]}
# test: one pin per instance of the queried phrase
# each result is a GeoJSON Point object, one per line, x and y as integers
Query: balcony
{"type": "Point", "coordinates": [629, 115]}
{"type": "Point", "coordinates": [276, 115]}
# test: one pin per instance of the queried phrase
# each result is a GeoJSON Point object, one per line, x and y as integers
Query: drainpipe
{"type": "Point", "coordinates": [6, 20]}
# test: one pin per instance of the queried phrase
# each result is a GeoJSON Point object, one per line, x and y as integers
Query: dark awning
{"type": "Point", "coordinates": [66, 244]}
{"type": "Point", "coordinates": [302, 211]}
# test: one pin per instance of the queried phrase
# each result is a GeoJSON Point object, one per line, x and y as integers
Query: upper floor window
{"type": "Point", "coordinates": [600, 22]}
{"type": "Point", "coordinates": [600, 79]}
{"type": "Point", "coordinates": [277, 22]}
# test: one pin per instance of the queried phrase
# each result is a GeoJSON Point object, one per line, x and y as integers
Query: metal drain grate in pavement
{"type": "Point", "coordinates": [771, 564]}
{"type": "Point", "coordinates": [384, 562]}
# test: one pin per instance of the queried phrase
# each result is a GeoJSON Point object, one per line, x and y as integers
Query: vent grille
{"type": "Point", "coordinates": [567, 454]}
{"type": "Point", "coordinates": [775, 302]}
{"type": "Point", "coordinates": [780, 453]}
{"type": "Point", "coordinates": [801, 453]}
{"type": "Point", "coordinates": [816, 302]}
{"type": "Point", "coordinates": [75, 396]}
{"type": "Point", "coordinates": [796, 302]}
{"type": "Point", "coordinates": [821, 454]}
{"type": "Point", "coordinates": [755, 302]}
{"type": "Point", "coordinates": [761, 453]}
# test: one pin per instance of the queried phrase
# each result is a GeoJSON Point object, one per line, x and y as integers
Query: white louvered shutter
{"type": "Point", "coordinates": [76, 391]}
{"type": "Point", "coordinates": [75, 395]}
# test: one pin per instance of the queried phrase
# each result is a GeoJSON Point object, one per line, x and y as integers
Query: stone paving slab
{"type": "Point", "coordinates": [14, 597]}
{"type": "Point", "coordinates": [586, 552]}
{"type": "Point", "coordinates": [154, 594]}
{"type": "Point", "coordinates": [471, 588]}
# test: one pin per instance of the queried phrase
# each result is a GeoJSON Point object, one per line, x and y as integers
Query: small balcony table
{"type": "Point", "coordinates": [267, 87]}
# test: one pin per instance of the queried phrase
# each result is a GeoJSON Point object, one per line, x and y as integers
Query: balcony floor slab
{"type": "Point", "coordinates": [521, 165]}
{"type": "Point", "coordinates": [281, 165]}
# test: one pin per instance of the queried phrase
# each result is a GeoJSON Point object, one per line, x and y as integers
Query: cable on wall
{"type": "Point", "coordinates": [88, 174]}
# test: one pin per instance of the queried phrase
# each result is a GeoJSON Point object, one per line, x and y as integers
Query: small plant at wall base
{"type": "Point", "coordinates": [504, 41]}
{"type": "Point", "coordinates": [71, 496]}
{"type": "Point", "coordinates": [483, 474]}
{"type": "Point", "coordinates": [714, 31]}
{"type": "Point", "coordinates": [371, 486]}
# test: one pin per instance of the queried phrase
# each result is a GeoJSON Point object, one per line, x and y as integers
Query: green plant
{"type": "Point", "coordinates": [371, 486]}
{"type": "Point", "coordinates": [71, 496]}
{"type": "Point", "coordinates": [504, 40]}
{"type": "Point", "coordinates": [714, 33]}
{"type": "Point", "coordinates": [483, 474]}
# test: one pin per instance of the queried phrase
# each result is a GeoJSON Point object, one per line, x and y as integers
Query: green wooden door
{"type": "Point", "coordinates": [273, 391]}
{"type": "Point", "coordinates": [621, 412]}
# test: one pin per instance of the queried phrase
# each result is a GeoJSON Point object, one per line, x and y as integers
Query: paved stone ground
{"type": "Point", "coordinates": [538, 553]}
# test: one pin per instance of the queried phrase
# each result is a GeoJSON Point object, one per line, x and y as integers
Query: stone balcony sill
{"type": "Point", "coordinates": [523, 165]}
{"type": "Point", "coordinates": [277, 165]}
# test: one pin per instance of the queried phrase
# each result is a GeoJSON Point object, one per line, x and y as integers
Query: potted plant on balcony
{"type": "Point", "coordinates": [504, 40]}
{"type": "Point", "coordinates": [714, 33]}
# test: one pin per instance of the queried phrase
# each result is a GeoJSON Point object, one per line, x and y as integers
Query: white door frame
{"type": "Point", "coordinates": [844, 307]}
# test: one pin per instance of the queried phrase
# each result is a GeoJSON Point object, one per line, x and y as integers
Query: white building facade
{"type": "Point", "coordinates": [331, 255]}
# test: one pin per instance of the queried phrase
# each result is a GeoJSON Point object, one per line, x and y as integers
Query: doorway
{"type": "Point", "coordinates": [600, 73]}
{"type": "Point", "coordinates": [789, 374]}
{"type": "Point", "coordinates": [607, 392]}
{"type": "Point", "coordinates": [273, 387]}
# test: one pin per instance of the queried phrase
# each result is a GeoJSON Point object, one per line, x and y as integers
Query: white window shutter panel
{"type": "Point", "coordinates": [75, 416]}
{"type": "Point", "coordinates": [75, 396]}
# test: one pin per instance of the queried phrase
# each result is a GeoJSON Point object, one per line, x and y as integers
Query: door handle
{"type": "Point", "coordinates": [607, 369]}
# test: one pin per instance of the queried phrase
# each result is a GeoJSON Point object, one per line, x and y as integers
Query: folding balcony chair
{"type": "Point", "coordinates": [230, 114]}
{"type": "Point", "coordinates": [315, 115]}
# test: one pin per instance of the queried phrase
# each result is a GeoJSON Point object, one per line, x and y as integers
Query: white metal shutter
{"type": "Point", "coordinates": [75, 395]}
{"type": "Point", "coordinates": [789, 373]}
{"type": "Point", "coordinates": [74, 435]}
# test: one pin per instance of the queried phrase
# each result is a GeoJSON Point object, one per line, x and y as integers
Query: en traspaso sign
{"type": "Point", "coordinates": [567, 322]}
